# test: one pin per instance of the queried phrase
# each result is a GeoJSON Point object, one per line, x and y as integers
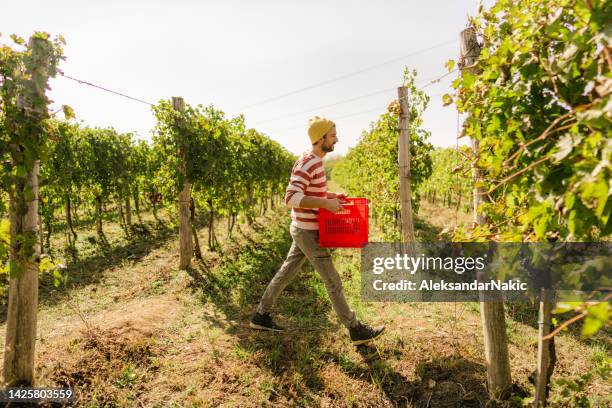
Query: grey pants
{"type": "Point", "coordinates": [306, 245]}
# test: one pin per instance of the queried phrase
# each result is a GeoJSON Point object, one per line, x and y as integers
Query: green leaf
{"type": "Point", "coordinates": [494, 124]}
{"type": "Point", "coordinates": [447, 99]}
{"type": "Point", "coordinates": [450, 64]}
{"type": "Point", "coordinates": [468, 79]}
{"type": "Point", "coordinates": [595, 195]}
{"type": "Point", "coordinates": [564, 307]}
{"type": "Point", "coordinates": [5, 230]}
{"type": "Point", "coordinates": [46, 264]}
{"type": "Point", "coordinates": [597, 316]}
{"type": "Point", "coordinates": [17, 39]}
{"type": "Point", "coordinates": [21, 171]}
{"type": "Point", "coordinates": [570, 199]}
{"type": "Point", "coordinates": [59, 277]}
{"type": "Point", "coordinates": [14, 269]}
{"type": "Point", "coordinates": [68, 112]}
{"type": "Point", "coordinates": [594, 117]}
{"type": "Point", "coordinates": [564, 147]}
{"type": "Point", "coordinates": [28, 193]}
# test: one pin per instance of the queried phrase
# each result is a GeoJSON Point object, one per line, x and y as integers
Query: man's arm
{"type": "Point", "coordinates": [341, 196]}
{"type": "Point", "coordinates": [330, 204]}
{"type": "Point", "coordinates": [295, 194]}
{"type": "Point", "coordinates": [295, 197]}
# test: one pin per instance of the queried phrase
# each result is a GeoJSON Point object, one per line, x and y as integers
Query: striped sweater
{"type": "Point", "coordinates": [307, 179]}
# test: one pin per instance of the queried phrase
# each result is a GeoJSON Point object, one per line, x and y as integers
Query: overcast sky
{"type": "Point", "coordinates": [239, 54]}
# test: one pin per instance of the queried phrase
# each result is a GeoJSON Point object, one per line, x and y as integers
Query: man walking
{"type": "Point", "coordinates": [306, 193]}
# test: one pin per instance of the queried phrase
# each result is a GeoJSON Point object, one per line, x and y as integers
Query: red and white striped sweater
{"type": "Point", "coordinates": [307, 179]}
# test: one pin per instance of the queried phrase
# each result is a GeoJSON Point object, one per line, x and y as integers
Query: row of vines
{"type": "Point", "coordinates": [232, 170]}
{"type": "Point", "coordinates": [535, 96]}
{"type": "Point", "coordinates": [66, 174]}
{"type": "Point", "coordinates": [92, 170]}
{"type": "Point", "coordinates": [448, 185]}
{"type": "Point", "coordinates": [540, 109]}
{"type": "Point", "coordinates": [370, 168]}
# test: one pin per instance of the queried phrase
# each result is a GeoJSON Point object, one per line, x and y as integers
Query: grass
{"type": "Point", "coordinates": [141, 333]}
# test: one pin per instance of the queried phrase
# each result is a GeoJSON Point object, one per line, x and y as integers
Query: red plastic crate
{"type": "Point", "coordinates": [347, 228]}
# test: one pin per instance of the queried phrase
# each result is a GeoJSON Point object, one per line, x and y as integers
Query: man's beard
{"type": "Point", "coordinates": [328, 149]}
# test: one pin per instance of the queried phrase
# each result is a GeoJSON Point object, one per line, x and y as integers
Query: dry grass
{"type": "Point", "coordinates": [433, 222]}
{"type": "Point", "coordinates": [142, 333]}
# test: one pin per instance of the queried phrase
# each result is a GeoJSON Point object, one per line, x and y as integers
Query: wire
{"type": "Point", "coordinates": [358, 113]}
{"type": "Point", "coordinates": [82, 82]}
{"type": "Point", "coordinates": [428, 82]}
{"type": "Point", "coordinates": [323, 106]}
{"type": "Point", "coordinates": [438, 79]}
{"type": "Point", "coordinates": [341, 117]}
{"type": "Point", "coordinates": [431, 82]}
{"type": "Point", "coordinates": [316, 85]}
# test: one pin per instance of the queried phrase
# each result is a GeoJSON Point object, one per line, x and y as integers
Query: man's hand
{"type": "Point", "coordinates": [333, 205]}
{"type": "Point", "coordinates": [342, 197]}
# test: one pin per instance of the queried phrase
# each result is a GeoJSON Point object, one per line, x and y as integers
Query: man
{"type": "Point", "coordinates": [306, 193]}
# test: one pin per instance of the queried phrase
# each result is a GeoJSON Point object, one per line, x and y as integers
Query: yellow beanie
{"type": "Point", "coordinates": [318, 127]}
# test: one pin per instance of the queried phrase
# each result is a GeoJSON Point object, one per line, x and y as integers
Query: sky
{"type": "Point", "coordinates": [278, 62]}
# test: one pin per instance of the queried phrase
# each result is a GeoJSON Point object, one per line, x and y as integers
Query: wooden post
{"type": "Point", "coordinates": [496, 347]}
{"type": "Point", "coordinates": [404, 166]}
{"type": "Point", "coordinates": [196, 241]}
{"type": "Point", "coordinates": [492, 312]}
{"type": "Point", "coordinates": [99, 216]}
{"type": "Point", "coordinates": [68, 210]}
{"type": "Point", "coordinates": [20, 342]}
{"type": "Point", "coordinates": [184, 200]}
{"type": "Point", "coordinates": [136, 194]}
{"type": "Point", "coordinates": [40, 232]}
{"type": "Point", "coordinates": [543, 369]}
{"type": "Point", "coordinates": [128, 211]}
